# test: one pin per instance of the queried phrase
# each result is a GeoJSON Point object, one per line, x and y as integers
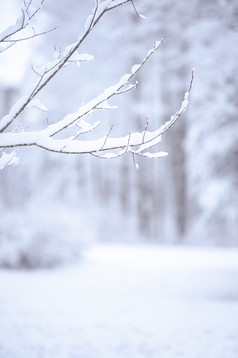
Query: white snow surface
{"type": "Point", "coordinates": [127, 301]}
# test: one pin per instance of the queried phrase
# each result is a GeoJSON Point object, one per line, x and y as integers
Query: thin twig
{"type": "Point", "coordinates": [134, 160]}
{"type": "Point", "coordinates": [106, 138]}
{"type": "Point", "coordinates": [29, 37]}
{"type": "Point", "coordinates": [128, 143]}
{"type": "Point", "coordinates": [94, 15]}
{"type": "Point", "coordinates": [129, 88]}
{"type": "Point", "coordinates": [132, 1]}
{"type": "Point", "coordinates": [6, 48]}
{"type": "Point", "coordinates": [34, 70]}
{"type": "Point", "coordinates": [176, 116]}
{"type": "Point", "coordinates": [145, 130]}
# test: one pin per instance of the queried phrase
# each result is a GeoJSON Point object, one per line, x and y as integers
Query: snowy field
{"type": "Point", "coordinates": [124, 301]}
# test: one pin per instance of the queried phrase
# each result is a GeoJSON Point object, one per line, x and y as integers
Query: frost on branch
{"type": "Point", "coordinates": [108, 147]}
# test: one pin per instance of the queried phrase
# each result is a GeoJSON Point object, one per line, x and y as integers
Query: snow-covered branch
{"type": "Point", "coordinates": [15, 33]}
{"type": "Point", "coordinates": [72, 145]}
{"type": "Point", "coordinates": [52, 68]}
{"type": "Point", "coordinates": [138, 143]}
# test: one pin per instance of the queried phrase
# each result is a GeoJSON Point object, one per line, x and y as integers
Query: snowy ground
{"type": "Point", "coordinates": [124, 301]}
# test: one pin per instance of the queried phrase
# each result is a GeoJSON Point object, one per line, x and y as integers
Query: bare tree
{"type": "Point", "coordinates": [138, 144]}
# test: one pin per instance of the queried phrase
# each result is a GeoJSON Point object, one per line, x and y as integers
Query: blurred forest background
{"type": "Point", "coordinates": [51, 204]}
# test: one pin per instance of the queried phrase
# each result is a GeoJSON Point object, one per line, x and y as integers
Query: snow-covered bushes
{"type": "Point", "coordinates": [42, 234]}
